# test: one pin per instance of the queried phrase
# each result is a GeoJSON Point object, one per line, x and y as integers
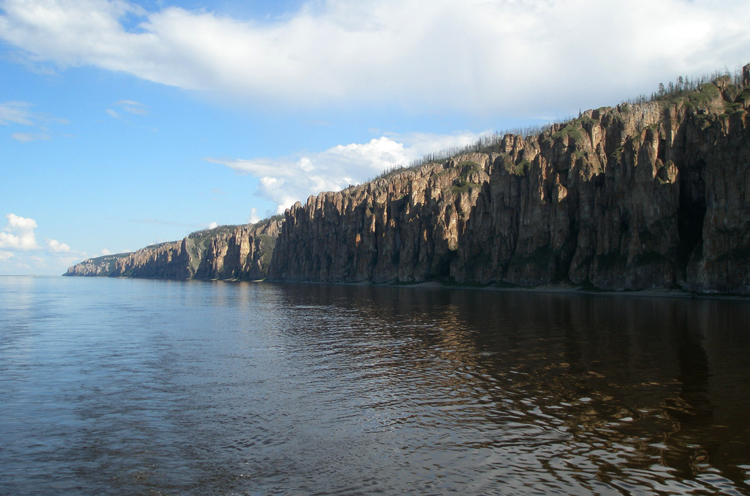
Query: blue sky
{"type": "Point", "coordinates": [126, 123]}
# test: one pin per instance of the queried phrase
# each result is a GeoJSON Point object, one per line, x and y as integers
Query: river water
{"type": "Point", "coordinates": [130, 387]}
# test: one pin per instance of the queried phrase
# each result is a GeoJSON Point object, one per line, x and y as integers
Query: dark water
{"type": "Point", "coordinates": [151, 387]}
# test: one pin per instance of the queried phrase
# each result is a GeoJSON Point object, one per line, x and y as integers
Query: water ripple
{"type": "Point", "coordinates": [154, 387]}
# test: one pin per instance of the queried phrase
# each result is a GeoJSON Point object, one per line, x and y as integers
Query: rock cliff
{"type": "Point", "coordinates": [402, 227]}
{"type": "Point", "coordinates": [654, 195]}
{"type": "Point", "coordinates": [227, 252]}
{"type": "Point", "coordinates": [637, 196]}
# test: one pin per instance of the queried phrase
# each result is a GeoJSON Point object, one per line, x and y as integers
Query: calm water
{"type": "Point", "coordinates": [152, 387]}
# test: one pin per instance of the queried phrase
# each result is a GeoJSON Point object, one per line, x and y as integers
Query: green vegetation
{"type": "Point", "coordinates": [521, 167]}
{"type": "Point", "coordinates": [573, 130]}
{"type": "Point", "coordinates": [106, 259]}
{"type": "Point", "coordinates": [579, 154]}
{"type": "Point", "coordinates": [684, 86]}
{"type": "Point", "coordinates": [462, 183]}
{"type": "Point", "coordinates": [204, 234]}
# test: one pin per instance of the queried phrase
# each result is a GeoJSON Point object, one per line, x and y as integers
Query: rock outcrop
{"type": "Point", "coordinates": [402, 227]}
{"type": "Point", "coordinates": [654, 195]}
{"type": "Point", "coordinates": [227, 252]}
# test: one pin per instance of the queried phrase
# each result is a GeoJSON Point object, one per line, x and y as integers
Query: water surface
{"type": "Point", "coordinates": [158, 387]}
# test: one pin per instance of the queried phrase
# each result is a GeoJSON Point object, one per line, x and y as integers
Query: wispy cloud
{"type": "Point", "coordinates": [20, 113]}
{"type": "Point", "coordinates": [133, 107]}
{"type": "Point", "coordinates": [16, 113]}
{"type": "Point", "coordinates": [285, 180]}
{"type": "Point", "coordinates": [29, 137]}
{"type": "Point", "coordinates": [476, 55]}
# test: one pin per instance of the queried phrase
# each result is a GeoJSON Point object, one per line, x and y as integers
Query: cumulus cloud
{"type": "Point", "coordinates": [288, 179]}
{"type": "Point", "coordinates": [212, 225]}
{"type": "Point", "coordinates": [55, 246]}
{"type": "Point", "coordinates": [20, 252]}
{"type": "Point", "coordinates": [19, 234]}
{"type": "Point", "coordinates": [475, 55]}
{"type": "Point", "coordinates": [105, 252]}
{"type": "Point", "coordinates": [253, 216]}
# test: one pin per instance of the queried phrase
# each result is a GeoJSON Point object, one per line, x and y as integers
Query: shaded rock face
{"type": "Point", "coordinates": [655, 195]}
{"type": "Point", "coordinates": [633, 197]}
{"type": "Point", "coordinates": [242, 252]}
{"type": "Point", "coordinates": [403, 227]}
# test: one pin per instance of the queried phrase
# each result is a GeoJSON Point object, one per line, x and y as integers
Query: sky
{"type": "Point", "coordinates": [128, 123]}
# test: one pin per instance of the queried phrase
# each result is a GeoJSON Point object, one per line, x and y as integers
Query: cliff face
{"type": "Point", "coordinates": [242, 252]}
{"type": "Point", "coordinates": [632, 197]}
{"type": "Point", "coordinates": [654, 195]}
{"type": "Point", "coordinates": [404, 227]}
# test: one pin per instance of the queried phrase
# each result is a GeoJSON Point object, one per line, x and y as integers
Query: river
{"type": "Point", "coordinates": [130, 387]}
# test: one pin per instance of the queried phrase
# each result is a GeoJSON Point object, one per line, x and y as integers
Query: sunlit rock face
{"type": "Point", "coordinates": [654, 195]}
{"type": "Point", "coordinates": [227, 252]}
{"type": "Point", "coordinates": [402, 227]}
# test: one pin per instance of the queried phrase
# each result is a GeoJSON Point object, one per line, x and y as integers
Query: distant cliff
{"type": "Point", "coordinates": [226, 252]}
{"type": "Point", "coordinates": [653, 195]}
{"type": "Point", "coordinates": [648, 195]}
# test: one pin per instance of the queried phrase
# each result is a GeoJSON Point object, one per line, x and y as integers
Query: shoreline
{"type": "Point", "coordinates": [543, 289]}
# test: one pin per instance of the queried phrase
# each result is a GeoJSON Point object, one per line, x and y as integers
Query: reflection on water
{"type": "Point", "coordinates": [153, 387]}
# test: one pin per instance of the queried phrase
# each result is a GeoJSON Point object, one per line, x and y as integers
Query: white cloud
{"type": "Point", "coordinates": [112, 113]}
{"type": "Point", "coordinates": [289, 179]}
{"type": "Point", "coordinates": [55, 246]}
{"type": "Point", "coordinates": [476, 55]}
{"type": "Point", "coordinates": [253, 216]}
{"type": "Point", "coordinates": [29, 137]}
{"type": "Point", "coordinates": [105, 252]}
{"type": "Point", "coordinates": [133, 107]}
{"type": "Point", "coordinates": [17, 113]}
{"type": "Point", "coordinates": [19, 234]}
{"type": "Point", "coordinates": [212, 225]}
{"type": "Point", "coordinates": [21, 254]}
